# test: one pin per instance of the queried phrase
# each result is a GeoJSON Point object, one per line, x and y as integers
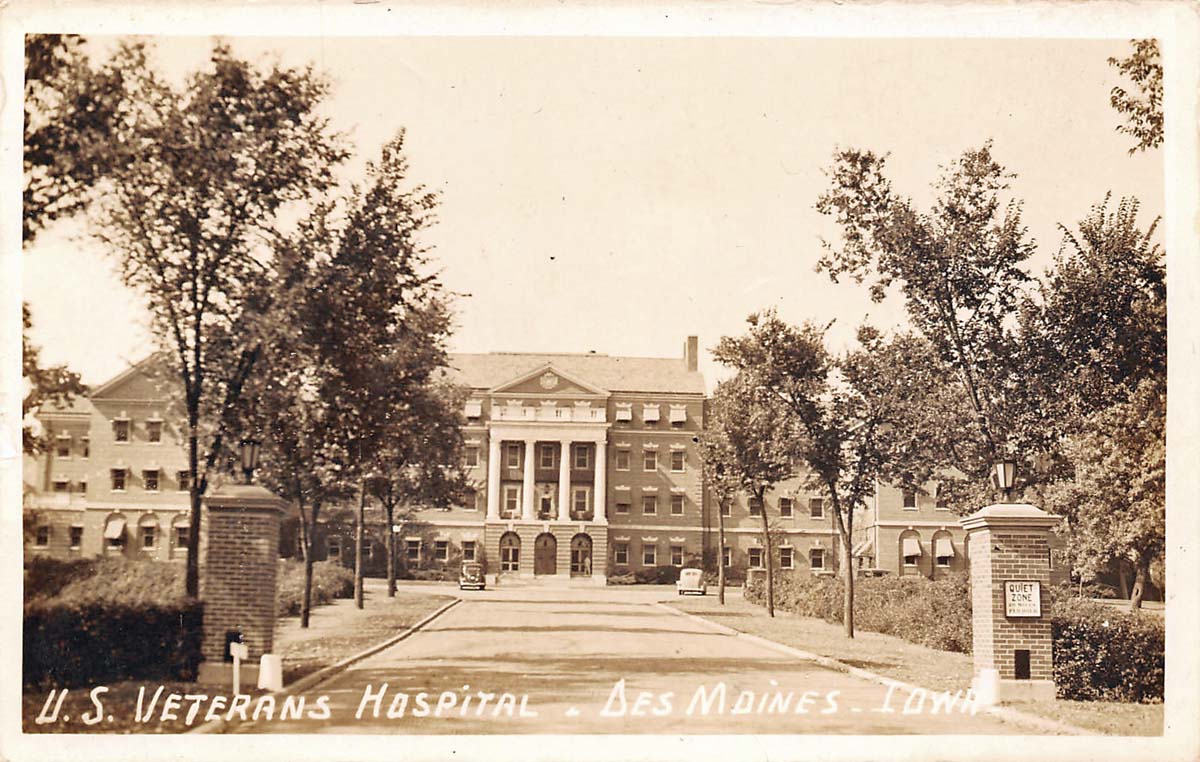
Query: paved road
{"type": "Point", "coordinates": [561, 655]}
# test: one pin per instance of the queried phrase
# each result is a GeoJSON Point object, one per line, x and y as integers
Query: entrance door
{"type": "Point", "coordinates": [581, 555]}
{"type": "Point", "coordinates": [545, 552]}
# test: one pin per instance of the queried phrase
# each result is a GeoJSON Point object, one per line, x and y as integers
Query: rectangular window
{"type": "Point", "coordinates": [941, 501]}
{"type": "Point", "coordinates": [816, 559]}
{"type": "Point", "coordinates": [785, 558]}
{"type": "Point", "coordinates": [621, 553]}
{"type": "Point", "coordinates": [650, 460]}
{"type": "Point", "coordinates": [148, 538]}
{"type": "Point", "coordinates": [726, 556]}
{"type": "Point", "coordinates": [85, 446]}
{"type": "Point", "coordinates": [943, 562]}
{"type": "Point", "coordinates": [83, 486]}
{"type": "Point", "coordinates": [41, 537]}
{"type": "Point", "coordinates": [62, 485]}
{"type": "Point", "coordinates": [510, 558]}
{"type": "Point", "coordinates": [755, 506]}
{"type": "Point", "coordinates": [512, 455]}
{"type": "Point", "coordinates": [441, 550]}
{"type": "Point", "coordinates": [63, 449]}
{"type": "Point", "coordinates": [121, 430]}
{"type": "Point", "coordinates": [335, 547]}
{"type": "Point", "coordinates": [412, 550]}
{"type": "Point", "coordinates": [181, 536]}
{"type": "Point", "coordinates": [546, 452]}
{"type": "Point", "coordinates": [624, 411]}
{"type": "Point", "coordinates": [623, 505]}
{"type": "Point", "coordinates": [676, 555]}
{"type": "Point", "coordinates": [150, 480]}
{"type": "Point", "coordinates": [622, 460]}
{"type": "Point", "coordinates": [910, 560]}
{"type": "Point", "coordinates": [579, 500]}
{"type": "Point", "coordinates": [816, 507]}
{"type": "Point", "coordinates": [678, 461]}
{"type": "Point", "coordinates": [468, 550]}
{"type": "Point", "coordinates": [470, 456]}
{"type": "Point", "coordinates": [184, 479]}
{"type": "Point", "coordinates": [154, 431]}
{"type": "Point", "coordinates": [910, 500]}
{"type": "Point", "coordinates": [649, 555]}
{"type": "Point", "coordinates": [470, 500]}
{"type": "Point", "coordinates": [676, 505]}
{"type": "Point", "coordinates": [76, 537]}
{"type": "Point", "coordinates": [756, 556]}
{"type": "Point", "coordinates": [785, 507]}
{"type": "Point", "coordinates": [512, 500]}
{"type": "Point", "coordinates": [582, 457]}
{"type": "Point", "coordinates": [649, 505]}
{"type": "Point", "coordinates": [727, 508]}
{"type": "Point", "coordinates": [118, 479]}
{"type": "Point", "coordinates": [650, 413]}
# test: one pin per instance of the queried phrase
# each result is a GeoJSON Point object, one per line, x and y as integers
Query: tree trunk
{"type": "Point", "coordinates": [391, 551]}
{"type": "Point", "coordinates": [358, 544]}
{"type": "Point", "coordinates": [767, 558]}
{"type": "Point", "coordinates": [306, 599]}
{"type": "Point", "coordinates": [1123, 579]}
{"type": "Point", "coordinates": [1141, 577]}
{"type": "Point", "coordinates": [847, 590]}
{"type": "Point", "coordinates": [192, 573]}
{"type": "Point", "coordinates": [721, 552]}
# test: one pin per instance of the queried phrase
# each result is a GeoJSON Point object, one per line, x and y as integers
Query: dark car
{"type": "Point", "coordinates": [471, 576]}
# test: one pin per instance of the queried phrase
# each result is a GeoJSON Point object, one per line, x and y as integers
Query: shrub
{"type": "Point", "coordinates": [1103, 654]}
{"type": "Point", "coordinates": [330, 580]}
{"type": "Point", "coordinates": [46, 577]}
{"type": "Point", "coordinates": [432, 575]}
{"type": "Point", "coordinates": [106, 579]}
{"type": "Point", "coordinates": [622, 577]}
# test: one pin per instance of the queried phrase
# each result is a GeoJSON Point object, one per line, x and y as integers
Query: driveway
{"type": "Point", "coordinates": [604, 660]}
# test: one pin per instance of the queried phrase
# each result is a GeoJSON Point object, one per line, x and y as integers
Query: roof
{"type": "Point", "coordinates": [616, 374]}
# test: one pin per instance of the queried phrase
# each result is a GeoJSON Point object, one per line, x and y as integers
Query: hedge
{"type": "Point", "coordinates": [330, 580]}
{"type": "Point", "coordinates": [1099, 653]}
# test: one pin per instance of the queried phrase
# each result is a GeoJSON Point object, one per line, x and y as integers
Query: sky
{"type": "Point", "coordinates": [618, 194]}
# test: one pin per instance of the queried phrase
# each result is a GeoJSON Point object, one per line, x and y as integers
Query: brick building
{"type": "Point", "coordinates": [909, 532]}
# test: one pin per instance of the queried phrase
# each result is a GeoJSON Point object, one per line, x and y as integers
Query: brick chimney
{"type": "Point", "coordinates": [691, 353]}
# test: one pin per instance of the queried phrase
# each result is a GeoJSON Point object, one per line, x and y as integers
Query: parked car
{"type": "Point", "coordinates": [471, 576]}
{"type": "Point", "coordinates": [691, 581]}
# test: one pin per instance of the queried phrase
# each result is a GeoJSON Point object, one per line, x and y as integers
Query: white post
{"type": "Point", "coordinates": [564, 480]}
{"type": "Point", "coordinates": [493, 482]}
{"type": "Point", "coordinates": [599, 514]}
{"type": "Point", "coordinates": [527, 511]}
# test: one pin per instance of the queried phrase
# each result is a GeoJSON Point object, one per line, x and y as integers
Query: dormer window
{"type": "Point", "coordinates": [650, 413]}
{"type": "Point", "coordinates": [624, 411]}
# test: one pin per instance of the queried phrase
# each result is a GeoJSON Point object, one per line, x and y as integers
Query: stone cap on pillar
{"type": "Point", "coordinates": [1010, 515]}
{"type": "Point", "coordinates": [254, 497]}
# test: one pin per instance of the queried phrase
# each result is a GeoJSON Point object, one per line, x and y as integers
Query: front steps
{"type": "Point", "coordinates": [546, 580]}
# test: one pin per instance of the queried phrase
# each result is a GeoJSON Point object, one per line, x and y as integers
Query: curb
{"type": "Point", "coordinates": [1001, 712]}
{"type": "Point", "coordinates": [308, 682]}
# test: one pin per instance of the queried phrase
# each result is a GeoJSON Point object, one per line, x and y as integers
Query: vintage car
{"type": "Point", "coordinates": [691, 581]}
{"type": "Point", "coordinates": [471, 576]}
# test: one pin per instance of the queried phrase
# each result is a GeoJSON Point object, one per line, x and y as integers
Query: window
{"type": "Point", "coordinates": [468, 550]}
{"type": "Point", "coordinates": [785, 507]}
{"type": "Point", "coordinates": [121, 430]}
{"type": "Point", "coordinates": [726, 509]}
{"type": "Point", "coordinates": [335, 547]}
{"type": "Point", "coordinates": [470, 456]}
{"type": "Point", "coordinates": [816, 507]}
{"type": "Point", "coordinates": [676, 505]}
{"type": "Point", "coordinates": [150, 480]}
{"type": "Point", "coordinates": [726, 556]}
{"type": "Point", "coordinates": [943, 551]}
{"type": "Point", "coordinates": [678, 414]}
{"type": "Point", "coordinates": [42, 536]}
{"type": "Point", "coordinates": [184, 479]}
{"type": "Point", "coordinates": [63, 448]}
{"type": "Point", "coordinates": [118, 479]}
{"type": "Point", "coordinates": [910, 499]}
{"type": "Point", "coordinates": [755, 507]}
{"type": "Point", "coordinates": [622, 460]}
{"type": "Point", "coordinates": [545, 506]}
{"type": "Point", "coordinates": [441, 550]}
{"type": "Point", "coordinates": [62, 485]}
{"type": "Point", "coordinates": [473, 408]}
{"type": "Point", "coordinates": [582, 457]}
{"type": "Point", "coordinates": [650, 413]}
{"type": "Point", "coordinates": [85, 446]}
{"type": "Point", "coordinates": [546, 456]}
{"type": "Point", "coordinates": [181, 535]}
{"type": "Point", "coordinates": [676, 555]}
{"type": "Point", "coordinates": [624, 411]}
{"type": "Point", "coordinates": [470, 500]}
{"type": "Point", "coordinates": [510, 553]}
{"type": "Point", "coordinates": [785, 558]}
{"type": "Point", "coordinates": [621, 553]}
{"type": "Point", "coordinates": [412, 550]}
{"type": "Point", "coordinates": [149, 535]}
{"type": "Point", "coordinates": [512, 500]}
{"type": "Point", "coordinates": [678, 461]}
{"type": "Point", "coordinates": [76, 537]}
{"type": "Point", "coordinates": [83, 486]}
{"type": "Point", "coordinates": [649, 505]}
{"type": "Point", "coordinates": [756, 558]}
{"type": "Point", "coordinates": [910, 549]}
{"type": "Point", "coordinates": [154, 431]}
{"type": "Point", "coordinates": [649, 555]}
{"type": "Point", "coordinates": [622, 505]}
{"type": "Point", "coordinates": [941, 501]}
{"type": "Point", "coordinates": [579, 500]}
{"type": "Point", "coordinates": [512, 453]}
{"type": "Point", "coordinates": [816, 559]}
{"type": "Point", "coordinates": [649, 460]}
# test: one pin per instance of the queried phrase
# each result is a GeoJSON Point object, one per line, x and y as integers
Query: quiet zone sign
{"type": "Point", "coordinates": [1022, 598]}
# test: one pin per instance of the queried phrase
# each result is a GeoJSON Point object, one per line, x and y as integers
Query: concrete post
{"type": "Point", "coordinates": [238, 583]}
{"type": "Point", "coordinates": [1009, 550]}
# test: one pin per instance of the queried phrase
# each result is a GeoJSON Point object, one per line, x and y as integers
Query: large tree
{"type": "Point", "coordinates": [194, 179]}
{"type": "Point", "coordinates": [717, 454]}
{"type": "Point", "coordinates": [1142, 110]}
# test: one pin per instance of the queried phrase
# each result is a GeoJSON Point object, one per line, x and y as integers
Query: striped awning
{"type": "Point", "coordinates": [943, 546]}
{"type": "Point", "coordinates": [912, 546]}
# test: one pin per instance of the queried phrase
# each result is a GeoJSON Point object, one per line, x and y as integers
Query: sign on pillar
{"type": "Point", "coordinates": [1009, 550]}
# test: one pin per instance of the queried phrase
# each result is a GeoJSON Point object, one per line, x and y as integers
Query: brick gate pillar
{"type": "Point", "coordinates": [238, 579]}
{"type": "Point", "coordinates": [1009, 550]}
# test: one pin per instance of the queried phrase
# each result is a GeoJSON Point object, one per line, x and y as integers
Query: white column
{"type": "Point", "coordinates": [598, 495]}
{"type": "Point", "coordinates": [493, 482]}
{"type": "Point", "coordinates": [527, 511]}
{"type": "Point", "coordinates": [564, 480]}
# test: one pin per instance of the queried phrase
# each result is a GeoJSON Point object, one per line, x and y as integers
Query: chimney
{"type": "Point", "coordinates": [691, 353]}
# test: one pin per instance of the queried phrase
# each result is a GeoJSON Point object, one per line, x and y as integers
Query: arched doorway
{"type": "Point", "coordinates": [581, 556]}
{"type": "Point", "coordinates": [510, 552]}
{"type": "Point", "coordinates": [545, 552]}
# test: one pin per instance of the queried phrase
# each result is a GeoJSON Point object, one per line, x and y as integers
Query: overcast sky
{"type": "Point", "coordinates": [618, 194]}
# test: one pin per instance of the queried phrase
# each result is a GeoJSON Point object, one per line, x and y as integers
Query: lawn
{"type": "Point", "coordinates": [910, 663]}
{"type": "Point", "coordinates": [337, 631]}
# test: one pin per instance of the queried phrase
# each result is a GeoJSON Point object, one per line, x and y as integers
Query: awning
{"type": "Point", "coordinates": [943, 546]}
{"type": "Point", "coordinates": [912, 546]}
{"type": "Point", "coordinates": [864, 548]}
{"type": "Point", "coordinates": [115, 528]}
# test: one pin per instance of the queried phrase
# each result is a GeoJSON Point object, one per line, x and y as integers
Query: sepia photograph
{"type": "Point", "coordinates": [552, 382]}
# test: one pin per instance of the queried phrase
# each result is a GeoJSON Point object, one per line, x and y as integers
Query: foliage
{"type": "Point", "coordinates": [330, 580]}
{"type": "Point", "coordinates": [1143, 109]}
{"type": "Point", "coordinates": [1101, 654]}
{"type": "Point", "coordinates": [55, 385]}
{"type": "Point", "coordinates": [104, 579]}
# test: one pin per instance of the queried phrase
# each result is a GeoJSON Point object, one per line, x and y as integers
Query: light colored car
{"type": "Point", "coordinates": [471, 576]}
{"type": "Point", "coordinates": [691, 581]}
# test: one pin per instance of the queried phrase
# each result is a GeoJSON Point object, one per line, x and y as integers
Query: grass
{"type": "Point", "coordinates": [337, 631]}
{"type": "Point", "coordinates": [910, 663]}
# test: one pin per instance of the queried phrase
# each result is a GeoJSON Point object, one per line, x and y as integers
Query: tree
{"type": "Point", "coordinates": [52, 385]}
{"type": "Point", "coordinates": [1143, 110]}
{"type": "Point", "coordinates": [718, 456]}
{"type": "Point", "coordinates": [854, 416]}
{"type": "Point", "coordinates": [751, 441]}
{"type": "Point", "coordinates": [193, 177]}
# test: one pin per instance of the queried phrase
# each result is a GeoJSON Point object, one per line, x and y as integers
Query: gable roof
{"type": "Point", "coordinates": [616, 374]}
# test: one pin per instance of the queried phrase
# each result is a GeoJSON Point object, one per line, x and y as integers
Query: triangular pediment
{"type": "Point", "coordinates": [147, 380]}
{"type": "Point", "coordinates": [550, 381]}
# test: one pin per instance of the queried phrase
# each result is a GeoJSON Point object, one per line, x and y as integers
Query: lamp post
{"type": "Point", "coordinates": [249, 452]}
{"type": "Point", "coordinates": [1003, 475]}
{"type": "Point", "coordinates": [721, 498]}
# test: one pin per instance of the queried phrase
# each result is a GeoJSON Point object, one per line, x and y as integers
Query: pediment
{"type": "Point", "coordinates": [547, 380]}
{"type": "Point", "coordinates": [147, 380]}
